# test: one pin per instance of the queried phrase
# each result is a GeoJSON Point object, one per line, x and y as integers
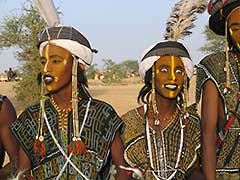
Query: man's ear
{"type": "Point", "coordinates": [82, 66]}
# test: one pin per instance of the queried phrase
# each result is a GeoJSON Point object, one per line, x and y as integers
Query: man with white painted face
{"type": "Point", "coordinates": [218, 84]}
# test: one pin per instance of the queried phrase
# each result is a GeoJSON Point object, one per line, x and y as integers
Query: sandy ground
{"type": "Point", "coordinates": [121, 97]}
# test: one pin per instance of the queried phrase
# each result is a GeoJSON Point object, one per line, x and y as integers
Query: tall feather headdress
{"type": "Point", "coordinates": [48, 12]}
{"type": "Point", "coordinates": [182, 18]}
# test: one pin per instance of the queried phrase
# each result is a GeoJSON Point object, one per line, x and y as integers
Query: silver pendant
{"type": "Point", "coordinates": [157, 122]}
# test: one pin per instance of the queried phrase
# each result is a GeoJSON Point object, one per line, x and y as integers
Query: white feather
{"type": "Point", "coordinates": [48, 12]}
{"type": "Point", "coordinates": [182, 18]}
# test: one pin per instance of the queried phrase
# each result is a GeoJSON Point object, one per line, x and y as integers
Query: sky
{"type": "Point", "coordinates": [119, 30]}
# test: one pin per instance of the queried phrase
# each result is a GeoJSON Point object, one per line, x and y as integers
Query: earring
{"type": "Point", "coordinates": [185, 96]}
{"type": "Point", "coordinates": [153, 98]}
{"type": "Point", "coordinates": [227, 85]}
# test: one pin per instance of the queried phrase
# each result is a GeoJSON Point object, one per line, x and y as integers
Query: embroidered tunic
{"type": "Point", "coordinates": [212, 68]}
{"type": "Point", "coordinates": [2, 153]}
{"type": "Point", "coordinates": [165, 147]}
{"type": "Point", "coordinates": [98, 133]}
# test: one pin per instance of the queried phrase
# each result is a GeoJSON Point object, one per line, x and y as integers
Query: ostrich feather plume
{"type": "Point", "coordinates": [48, 12]}
{"type": "Point", "coordinates": [182, 18]}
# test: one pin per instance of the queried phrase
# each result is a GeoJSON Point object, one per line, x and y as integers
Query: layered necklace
{"type": "Point", "coordinates": [68, 157]}
{"type": "Point", "coordinates": [62, 115]}
{"type": "Point", "coordinates": [150, 151]}
{"type": "Point", "coordinates": [167, 118]}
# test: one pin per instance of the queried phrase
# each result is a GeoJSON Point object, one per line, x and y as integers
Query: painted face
{"type": "Point", "coordinates": [234, 26]}
{"type": "Point", "coordinates": [56, 67]}
{"type": "Point", "coordinates": [169, 76]}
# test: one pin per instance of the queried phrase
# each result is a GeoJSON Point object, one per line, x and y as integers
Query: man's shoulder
{"type": "Point", "coordinates": [194, 117]}
{"type": "Point", "coordinates": [211, 67]}
{"type": "Point", "coordinates": [213, 60]}
{"type": "Point", "coordinates": [30, 113]}
{"type": "Point", "coordinates": [36, 107]}
{"type": "Point", "coordinates": [2, 98]}
{"type": "Point", "coordinates": [136, 111]}
{"type": "Point", "coordinates": [100, 104]}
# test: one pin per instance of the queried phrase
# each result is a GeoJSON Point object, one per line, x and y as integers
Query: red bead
{"type": "Point", "coordinates": [238, 95]}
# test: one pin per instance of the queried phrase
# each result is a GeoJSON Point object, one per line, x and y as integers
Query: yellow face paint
{"type": "Point", "coordinates": [56, 67]}
{"type": "Point", "coordinates": [170, 77]}
{"type": "Point", "coordinates": [231, 32]}
{"type": "Point", "coordinates": [172, 67]}
{"type": "Point", "coordinates": [46, 55]}
{"type": "Point", "coordinates": [234, 26]}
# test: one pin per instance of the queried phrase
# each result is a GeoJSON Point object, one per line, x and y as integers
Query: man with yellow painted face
{"type": "Point", "coordinates": [162, 137]}
{"type": "Point", "coordinates": [69, 134]}
{"type": "Point", "coordinates": [218, 80]}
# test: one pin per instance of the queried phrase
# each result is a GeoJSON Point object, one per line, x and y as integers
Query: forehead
{"type": "Point", "coordinates": [52, 50]}
{"type": "Point", "coordinates": [167, 60]}
{"type": "Point", "coordinates": [234, 17]}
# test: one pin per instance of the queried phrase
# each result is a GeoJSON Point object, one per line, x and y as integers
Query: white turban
{"type": "Point", "coordinates": [83, 53]}
{"type": "Point", "coordinates": [147, 63]}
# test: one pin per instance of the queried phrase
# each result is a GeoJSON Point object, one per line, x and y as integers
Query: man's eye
{"type": "Point", "coordinates": [56, 61]}
{"type": "Point", "coordinates": [179, 71]}
{"type": "Point", "coordinates": [234, 29]}
{"type": "Point", "coordinates": [43, 62]}
{"type": "Point", "coordinates": [164, 70]}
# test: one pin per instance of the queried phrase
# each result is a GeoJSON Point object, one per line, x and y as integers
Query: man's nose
{"type": "Point", "coordinates": [46, 67]}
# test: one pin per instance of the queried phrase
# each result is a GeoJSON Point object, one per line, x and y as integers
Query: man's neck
{"type": "Point", "coordinates": [63, 97]}
{"type": "Point", "coordinates": [165, 106]}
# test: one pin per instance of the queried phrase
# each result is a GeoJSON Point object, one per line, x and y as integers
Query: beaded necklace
{"type": "Point", "coordinates": [62, 115]}
{"type": "Point", "coordinates": [168, 118]}
{"type": "Point", "coordinates": [149, 149]}
{"type": "Point", "coordinates": [68, 158]}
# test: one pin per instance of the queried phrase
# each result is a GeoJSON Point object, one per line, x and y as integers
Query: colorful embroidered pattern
{"type": "Point", "coordinates": [135, 145]}
{"type": "Point", "coordinates": [98, 133]}
{"type": "Point", "coordinates": [205, 71]}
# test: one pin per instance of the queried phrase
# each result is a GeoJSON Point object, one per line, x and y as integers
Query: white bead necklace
{"type": "Point", "coordinates": [149, 149]}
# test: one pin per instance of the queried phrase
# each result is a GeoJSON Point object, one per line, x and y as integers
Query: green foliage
{"type": "Point", "coordinates": [116, 72]}
{"type": "Point", "coordinates": [215, 43]}
{"type": "Point", "coordinates": [109, 71]}
{"type": "Point", "coordinates": [91, 71]}
{"type": "Point", "coordinates": [130, 65]}
{"type": "Point", "coordinates": [21, 31]}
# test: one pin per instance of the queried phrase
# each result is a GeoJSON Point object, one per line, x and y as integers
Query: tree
{"type": "Point", "coordinates": [21, 31]}
{"type": "Point", "coordinates": [92, 69]}
{"type": "Point", "coordinates": [112, 72]}
{"type": "Point", "coordinates": [215, 43]}
{"type": "Point", "coordinates": [130, 67]}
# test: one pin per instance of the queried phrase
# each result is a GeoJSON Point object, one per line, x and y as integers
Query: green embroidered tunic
{"type": "Point", "coordinates": [212, 68]}
{"type": "Point", "coordinates": [135, 154]}
{"type": "Point", "coordinates": [98, 133]}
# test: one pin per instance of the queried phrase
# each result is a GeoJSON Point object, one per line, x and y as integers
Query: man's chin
{"type": "Point", "coordinates": [167, 96]}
